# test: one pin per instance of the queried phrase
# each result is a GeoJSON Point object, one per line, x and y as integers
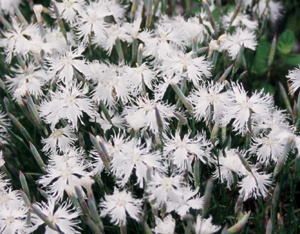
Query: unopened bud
{"type": "Point", "coordinates": [207, 196]}
{"type": "Point", "coordinates": [38, 9]}
{"type": "Point", "coordinates": [183, 98]}
{"type": "Point", "coordinates": [276, 195]}
{"type": "Point", "coordinates": [213, 45]}
{"type": "Point", "coordinates": [37, 156]}
{"type": "Point", "coordinates": [158, 120]}
{"type": "Point", "coordinates": [87, 181]}
{"type": "Point", "coordinates": [269, 227]}
{"type": "Point", "coordinates": [140, 54]}
{"type": "Point", "coordinates": [240, 225]}
{"type": "Point", "coordinates": [226, 73]}
{"type": "Point", "coordinates": [222, 39]}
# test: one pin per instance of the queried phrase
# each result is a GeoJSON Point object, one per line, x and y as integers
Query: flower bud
{"type": "Point", "coordinates": [207, 196]}
{"type": "Point", "coordinates": [272, 51]}
{"type": "Point", "coordinates": [285, 98]}
{"type": "Point", "coordinates": [240, 225]}
{"type": "Point", "coordinates": [225, 74]}
{"type": "Point", "coordinates": [183, 98]}
{"type": "Point", "coordinates": [269, 227]}
{"type": "Point", "coordinates": [222, 39]}
{"type": "Point", "coordinates": [24, 184]}
{"type": "Point", "coordinates": [37, 156]}
{"type": "Point", "coordinates": [38, 9]}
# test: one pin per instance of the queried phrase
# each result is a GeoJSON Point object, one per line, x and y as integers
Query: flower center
{"type": "Point", "coordinates": [59, 35]}
{"type": "Point", "coordinates": [53, 218]}
{"type": "Point", "coordinates": [139, 70]}
{"type": "Point", "coordinates": [148, 107]}
{"type": "Point", "coordinates": [246, 105]}
{"type": "Point", "coordinates": [57, 133]}
{"type": "Point", "coordinates": [136, 158]}
{"type": "Point", "coordinates": [67, 61]}
{"type": "Point", "coordinates": [167, 184]}
{"type": "Point", "coordinates": [68, 4]}
{"type": "Point", "coordinates": [121, 202]}
{"type": "Point", "coordinates": [67, 173]}
{"type": "Point", "coordinates": [212, 98]}
{"type": "Point", "coordinates": [10, 220]}
{"type": "Point", "coordinates": [268, 142]}
{"type": "Point", "coordinates": [70, 100]}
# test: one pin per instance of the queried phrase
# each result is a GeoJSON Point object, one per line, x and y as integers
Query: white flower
{"type": "Point", "coordinates": [97, 163]}
{"type": "Point", "coordinates": [240, 19]}
{"type": "Point", "coordinates": [196, 31]}
{"type": "Point", "coordinates": [139, 158]}
{"type": "Point", "coordinates": [227, 165]}
{"type": "Point", "coordinates": [213, 45]}
{"type": "Point", "coordinates": [91, 20]}
{"type": "Point", "coordinates": [119, 145]}
{"type": "Point", "coordinates": [267, 148]}
{"type": "Point", "coordinates": [136, 120]}
{"type": "Point", "coordinates": [114, 32]}
{"type": "Point", "coordinates": [9, 197]}
{"type": "Point", "coordinates": [235, 41]}
{"type": "Point", "coordinates": [255, 184]}
{"type": "Point", "coordinates": [207, 98]}
{"type": "Point", "coordinates": [294, 77]}
{"type": "Point", "coordinates": [147, 108]}
{"type": "Point", "coordinates": [64, 172]}
{"type": "Point", "coordinates": [161, 87]}
{"type": "Point", "coordinates": [112, 85]}
{"type": "Point", "coordinates": [64, 217]}
{"type": "Point", "coordinates": [137, 75]}
{"type": "Point", "coordinates": [62, 138]}
{"type": "Point", "coordinates": [32, 77]}
{"type": "Point", "coordinates": [133, 29]}
{"type": "Point", "coordinates": [3, 184]}
{"type": "Point", "coordinates": [187, 200]}
{"type": "Point", "coordinates": [118, 205]}
{"type": "Point", "coordinates": [13, 218]}
{"type": "Point", "coordinates": [239, 107]}
{"type": "Point", "coordinates": [65, 65]}
{"type": "Point", "coordinates": [39, 44]}
{"type": "Point", "coordinates": [162, 189]}
{"type": "Point", "coordinates": [67, 103]}
{"type": "Point", "coordinates": [204, 226]}
{"type": "Point", "coordinates": [195, 69]}
{"type": "Point", "coordinates": [117, 149]}
{"type": "Point", "coordinates": [113, 9]}
{"type": "Point", "coordinates": [55, 37]}
{"type": "Point", "coordinates": [274, 119]}
{"type": "Point", "coordinates": [182, 151]}
{"type": "Point", "coordinates": [105, 124]}
{"type": "Point", "coordinates": [273, 10]}
{"type": "Point", "coordinates": [7, 7]}
{"type": "Point", "coordinates": [165, 226]}
{"type": "Point", "coordinates": [17, 40]}
{"type": "Point", "coordinates": [68, 9]}
{"type": "Point", "coordinates": [165, 42]}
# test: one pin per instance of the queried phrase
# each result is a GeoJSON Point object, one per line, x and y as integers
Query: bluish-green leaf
{"type": "Point", "coordinates": [286, 41]}
{"type": "Point", "coordinates": [293, 60]}
{"type": "Point", "coordinates": [260, 65]}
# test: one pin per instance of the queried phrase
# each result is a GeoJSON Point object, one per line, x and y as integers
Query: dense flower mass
{"type": "Point", "coordinates": [147, 117]}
